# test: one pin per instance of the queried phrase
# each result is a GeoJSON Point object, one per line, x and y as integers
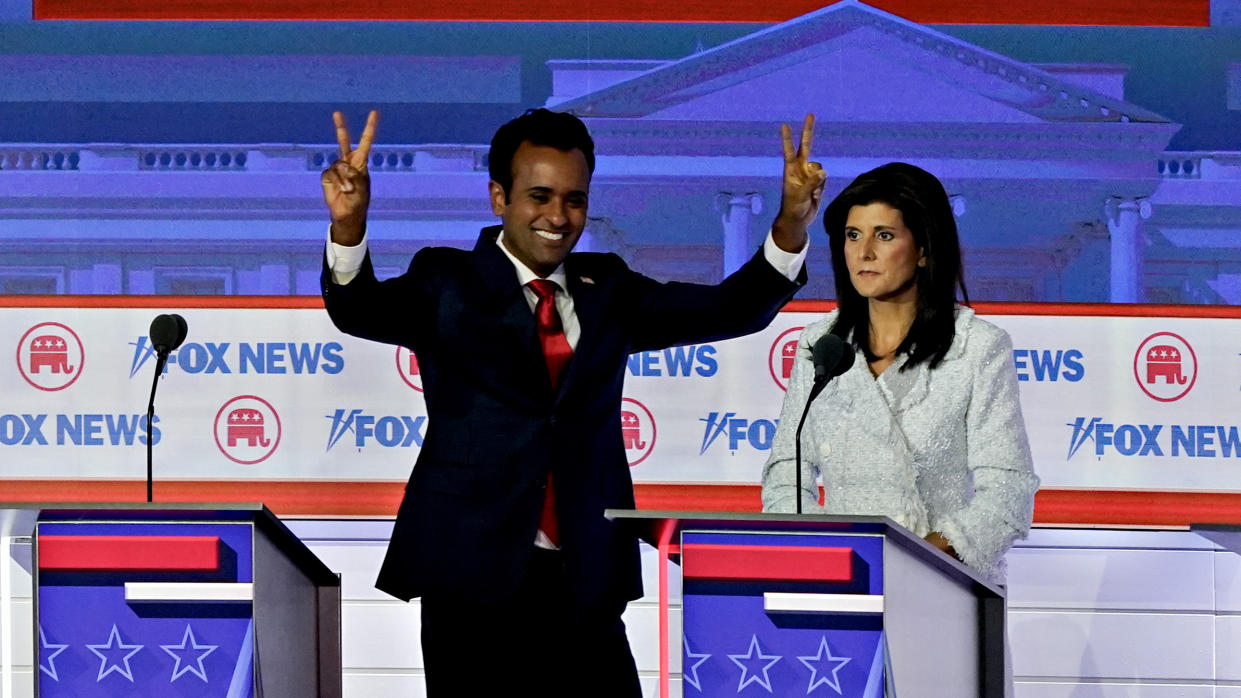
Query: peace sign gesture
{"type": "Point", "coordinates": [347, 183]}
{"type": "Point", "coordinates": [802, 189]}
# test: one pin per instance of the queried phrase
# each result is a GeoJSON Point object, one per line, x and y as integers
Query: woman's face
{"type": "Point", "coordinates": [881, 254]}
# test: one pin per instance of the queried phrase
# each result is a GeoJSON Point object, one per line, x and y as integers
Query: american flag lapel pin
{"type": "Point", "coordinates": [587, 280]}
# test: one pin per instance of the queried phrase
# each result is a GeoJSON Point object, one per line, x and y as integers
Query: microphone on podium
{"type": "Point", "coordinates": [831, 357]}
{"type": "Point", "coordinates": [167, 333]}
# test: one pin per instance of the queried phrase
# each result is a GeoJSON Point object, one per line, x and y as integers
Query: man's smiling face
{"type": "Point", "coordinates": [545, 210]}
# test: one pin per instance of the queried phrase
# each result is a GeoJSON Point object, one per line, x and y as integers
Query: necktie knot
{"type": "Point", "coordinates": [544, 289]}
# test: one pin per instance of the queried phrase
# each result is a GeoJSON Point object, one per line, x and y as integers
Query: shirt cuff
{"type": "Point", "coordinates": [787, 263]}
{"type": "Point", "coordinates": [345, 261]}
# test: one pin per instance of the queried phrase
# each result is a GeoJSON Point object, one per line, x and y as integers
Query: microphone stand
{"type": "Point", "coordinates": [161, 360]}
{"type": "Point", "coordinates": [820, 382]}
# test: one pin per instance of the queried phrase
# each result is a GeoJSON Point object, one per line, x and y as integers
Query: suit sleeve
{"type": "Point", "coordinates": [668, 314]}
{"type": "Point", "coordinates": [390, 311]}
{"type": "Point", "coordinates": [998, 456]}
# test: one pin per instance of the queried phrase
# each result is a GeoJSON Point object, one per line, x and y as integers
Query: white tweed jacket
{"type": "Point", "coordinates": [935, 450]}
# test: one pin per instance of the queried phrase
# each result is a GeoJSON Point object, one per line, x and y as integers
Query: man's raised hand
{"type": "Point", "coordinates": [801, 191]}
{"type": "Point", "coordinates": [347, 183]}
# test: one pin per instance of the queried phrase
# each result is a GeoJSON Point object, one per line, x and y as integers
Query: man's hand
{"type": "Point", "coordinates": [347, 183]}
{"type": "Point", "coordinates": [802, 190]}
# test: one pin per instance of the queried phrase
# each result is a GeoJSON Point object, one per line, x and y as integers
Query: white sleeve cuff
{"type": "Point", "coordinates": [787, 263]}
{"type": "Point", "coordinates": [345, 261]}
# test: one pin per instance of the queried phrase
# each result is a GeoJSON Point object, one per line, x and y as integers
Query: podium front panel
{"type": "Point", "coordinates": [145, 608]}
{"type": "Point", "coordinates": [761, 610]}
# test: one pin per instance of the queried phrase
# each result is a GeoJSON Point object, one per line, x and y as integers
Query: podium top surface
{"type": "Point", "coordinates": [19, 519]}
{"type": "Point", "coordinates": [1226, 536]}
{"type": "Point", "coordinates": [650, 524]}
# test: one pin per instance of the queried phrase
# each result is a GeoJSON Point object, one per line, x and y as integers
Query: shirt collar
{"type": "Point", "coordinates": [525, 275]}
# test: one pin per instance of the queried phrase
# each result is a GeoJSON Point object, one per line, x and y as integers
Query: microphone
{"type": "Point", "coordinates": [166, 334]}
{"type": "Point", "coordinates": [831, 357]}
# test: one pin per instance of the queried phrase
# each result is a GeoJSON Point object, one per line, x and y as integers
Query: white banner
{"type": "Point", "coordinates": [1120, 402]}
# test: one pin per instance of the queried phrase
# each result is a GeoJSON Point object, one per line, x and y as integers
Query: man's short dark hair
{"type": "Point", "coordinates": [559, 130]}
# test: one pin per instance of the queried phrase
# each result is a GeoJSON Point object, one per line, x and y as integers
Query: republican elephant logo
{"type": "Point", "coordinates": [631, 430]}
{"type": "Point", "coordinates": [1164, 361]}
{"type": "Point", "coordinates": [247, 429]}
{"type": "Point", "coordinates": [1165, 366]}
{"type": "Point", "coordinates": [50, 356]}
{"type": "Point", "coordinates": [50, 352]}
{"type": "Point", "coordinates": [246, 425]}
{"type": "Point", "coordinates": [787, 354]}
{"type": "Point", "coordinates": [782, 356]}
{"type": "Point", "coordinates": [408, 369]}
{"type": "Point", "coordinates": [637, 430]}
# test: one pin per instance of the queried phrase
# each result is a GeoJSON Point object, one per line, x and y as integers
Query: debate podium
{"type": "Point", "coordinates": [174, 600]}
{"type": "Point", "coordinates": [817, 605]}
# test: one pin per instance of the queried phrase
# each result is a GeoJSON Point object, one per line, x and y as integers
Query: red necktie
{"type": "Point", "coordinates": [556, 352]}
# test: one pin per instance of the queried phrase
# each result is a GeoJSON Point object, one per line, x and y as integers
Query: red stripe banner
{"type": "Point", "coordinates": [307, 499]}
{"type": "Point", "coordinates": [329, 498]}
{"type": "Point", "coordinates": [58, 553]}
{"type": "Point", "coordinates": [766, 562]}
{"type": "Point", "coordinates": [1160, 13]}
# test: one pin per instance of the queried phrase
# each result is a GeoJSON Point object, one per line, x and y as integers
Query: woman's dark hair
{"type": "Point", "coordinates": [924, 205]}
{"type": "Point", "coordinates": [559, 130]}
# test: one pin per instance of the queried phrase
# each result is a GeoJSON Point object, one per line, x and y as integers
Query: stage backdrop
{"type": "Point", "coordinates": [1128, 397]}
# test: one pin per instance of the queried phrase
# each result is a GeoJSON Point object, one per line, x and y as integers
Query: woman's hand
{"type": "Point", "coordinates": [938, 540]}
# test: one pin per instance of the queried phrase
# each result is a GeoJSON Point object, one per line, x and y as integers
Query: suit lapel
{"type": "Point", "coordinates": [587, 305]}
{"type": "Point", "coordinates": [517, 332]}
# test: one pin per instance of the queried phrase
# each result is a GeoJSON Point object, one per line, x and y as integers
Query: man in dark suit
{"type": "Point", "coordinates": [522, 348]}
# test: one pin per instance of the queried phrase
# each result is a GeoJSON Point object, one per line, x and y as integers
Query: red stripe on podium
{"type": "Point", "coordinates": [129, 553]}
{"type": "Point", "coordinates": [775, 562]}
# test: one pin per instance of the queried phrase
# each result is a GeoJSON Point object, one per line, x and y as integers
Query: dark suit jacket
{"type": "Point", "coordinates": [495, 425]}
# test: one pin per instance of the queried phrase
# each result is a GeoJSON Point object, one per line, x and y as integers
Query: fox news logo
{"type": "Point", "coordinates": [50, 356]}
{"type": "Point", "coordinates": [1045, 365]}
{"type": "Point", "coordinates": [389, 431]}
{"type": "Point", "coordinates": [737, 431]}
{"type": "Point", "coordinates": [676, 362]}
{"type": "Point", "coordinates": [76, 429]}
{"type": "Point", "coordinates": [245, 357]}
{"type": "Point", "coordinates": [1176, 440]}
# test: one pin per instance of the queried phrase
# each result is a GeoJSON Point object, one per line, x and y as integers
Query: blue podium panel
{"type": "Point", "coordinates": [145, 609]}
{"type": "Point", "coordinates": [754, 618]}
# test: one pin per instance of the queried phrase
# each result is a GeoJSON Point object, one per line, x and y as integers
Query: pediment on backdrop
{"type": "Point", "coordinates": [850, 62]}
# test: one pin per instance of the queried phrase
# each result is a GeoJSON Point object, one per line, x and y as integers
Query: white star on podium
{"type": "Point", "coordinates": [815, 663]}
{"type": "Point", "coordinates": [44, 646]}
{"type": "Point", "coordinates": [755, 653]}
{"type": "Point", "coordinates": [190, 644]}
{"type": "Point", "coordinates": [690, 674]}
{"type": "Point", "coordinates": [114, 644]}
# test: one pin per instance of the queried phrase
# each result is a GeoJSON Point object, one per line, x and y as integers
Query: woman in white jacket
{"type": "Point", "coordinates": [926, 427]}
